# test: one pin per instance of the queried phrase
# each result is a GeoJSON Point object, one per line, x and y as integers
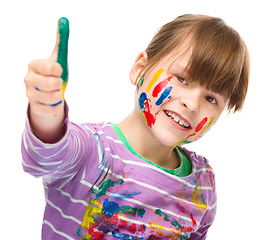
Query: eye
{"type": "Point", "coordinates": [182, 80]}
{"type": "Point", "coordinates": [211, 99]}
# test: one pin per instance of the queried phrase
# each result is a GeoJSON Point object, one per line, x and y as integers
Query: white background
{"type": "Point", "coordinates": [105, 38]}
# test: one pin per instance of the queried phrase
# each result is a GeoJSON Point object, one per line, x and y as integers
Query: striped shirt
{"type": "Point", "coordinates": [95, 188]}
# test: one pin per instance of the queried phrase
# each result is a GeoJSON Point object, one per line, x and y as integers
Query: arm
{"type": "Point", "coordinates": [45, 84]}
{"type": "Point", "coordinates": [59, 161]}
{"type": "Point", "coordinates": [52, 147]}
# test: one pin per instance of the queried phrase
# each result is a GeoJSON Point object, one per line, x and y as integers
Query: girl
{"type": "Point", "coordinates": [134, 180]}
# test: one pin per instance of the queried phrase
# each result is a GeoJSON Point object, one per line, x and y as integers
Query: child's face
{"type": "Point", "coordinates": [176, 110]}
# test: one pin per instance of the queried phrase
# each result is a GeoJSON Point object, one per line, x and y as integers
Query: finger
{"type": "Point", "coordinates": [45, 67]}
{"type": "Point", "coordinates": [54, 104]}
{"type": "Point", "coordinates": [61, 49]}
{"type": "Point", "coordinates": [47, 98]}
{"type": "Point", "coordinates": [43, 83]}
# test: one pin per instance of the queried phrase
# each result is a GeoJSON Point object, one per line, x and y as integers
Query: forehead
{"type": "Point", "coordinates": [179, 58]}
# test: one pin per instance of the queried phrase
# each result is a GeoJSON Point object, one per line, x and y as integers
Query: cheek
{"type": "Point", "coordinates": [204, 125]}
{"type": "Point", "coordinates": [145, 108]}
{"type": "Point", "coordinates": [161, 93]}
{"type": "Point", "coordinates": [153, 97]}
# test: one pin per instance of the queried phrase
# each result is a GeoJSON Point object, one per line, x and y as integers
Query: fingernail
{"type": "Point", "coordinates": [53, 105]}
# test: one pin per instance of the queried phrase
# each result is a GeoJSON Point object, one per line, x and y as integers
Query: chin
{"type": "Point", "coordinates": [167, 138]}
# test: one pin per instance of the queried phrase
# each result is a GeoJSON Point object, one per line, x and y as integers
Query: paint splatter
{"type": "Point", "coordinates": [107, 184]}
{"type": "Point", "coordinates": [193, 220]}
{"type": "Point", "coordinates": [155, 78]}
{"type": "Point", "coordinates": [199, 127]}
{"type": "Point", "coordinates": [168, 218]}
{"type": "Point", "coordinates": [141, 81]}
{"type": "Point", "coordinates": [163, 96]}
{"type": "Point", "coordinates": [198, 198]}
{"type": "Point", "coordinates": [145, 110]}
{"type": "Point", "coordinates": [201, 124]}
{"type": "Point", "coordinates": [142, 99]}
{"type": "Point", "coordinates": [159, 87]}
{"type": "Point", "coordinates": [106, 219]}
{"type": "Point", "coordinates": [63, 26]}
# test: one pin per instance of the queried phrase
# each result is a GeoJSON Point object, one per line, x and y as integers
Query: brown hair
{"type": "Point", "coordinates": [219, 59]}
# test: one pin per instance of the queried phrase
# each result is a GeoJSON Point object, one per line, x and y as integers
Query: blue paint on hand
{"type": "Point", "coordinates": [53, 105]}
{"type": "Point", "coordinates": [163, 96]}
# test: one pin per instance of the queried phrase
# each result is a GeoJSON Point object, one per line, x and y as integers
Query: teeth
{"type": "Point", "coordinates": [177, 119]}
{"type": "Point", "coordinates": [181, 122]}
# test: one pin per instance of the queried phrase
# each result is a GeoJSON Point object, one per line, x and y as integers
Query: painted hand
{"type": "Point", "coordinates": [46, 79]}
{"type": "Point", "coordinates": [62, 59]}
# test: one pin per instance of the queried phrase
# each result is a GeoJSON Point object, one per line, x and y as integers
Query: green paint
{"type": "Point", "coordinates": [142, 80]}
{"type": "Point", "coordinates": [132, 210]}
{"type": "Point", "coordinates": [168, 218]}
{"type": "Point", "coordinates": [63, 47]}
{"type": "Point", "coordinates": [107, 184]}
{"type": "Point", "coordinates": [141, 212]}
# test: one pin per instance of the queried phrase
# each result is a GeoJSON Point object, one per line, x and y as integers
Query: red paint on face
{"type": "Point", "coordinates": [149, 116]}
{"type": "Point", "coordinates": [199, 127]}
{"type": "Point", "coordinates": [201, 124]}
{"type": "Point", "coordinates": [158, 88]}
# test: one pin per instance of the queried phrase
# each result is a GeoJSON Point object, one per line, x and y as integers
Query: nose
{"type": "Point", "coordinates": [191, 101]}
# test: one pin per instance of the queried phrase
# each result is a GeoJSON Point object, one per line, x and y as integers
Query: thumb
{"type": "Point", "coordinates": [60, 51]}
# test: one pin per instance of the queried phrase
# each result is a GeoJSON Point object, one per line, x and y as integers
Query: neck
{"type": "Point", "coordinates": [144, 143]}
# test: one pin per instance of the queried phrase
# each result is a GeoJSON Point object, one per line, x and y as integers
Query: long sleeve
{"type": "Point", "coordinates": [57, 162]}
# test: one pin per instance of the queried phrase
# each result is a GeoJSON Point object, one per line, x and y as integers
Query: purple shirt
{"type": "Point", "coordinates": [95, 188]}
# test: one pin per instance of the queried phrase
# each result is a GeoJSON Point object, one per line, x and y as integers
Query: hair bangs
{"type": "Point", "coordinates": [217, 57]}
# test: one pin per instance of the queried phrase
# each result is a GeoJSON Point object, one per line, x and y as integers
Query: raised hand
{"type": "Point", "coordinates": [45, 82]}
{"type": "Point", "coordinates": [62, 59]}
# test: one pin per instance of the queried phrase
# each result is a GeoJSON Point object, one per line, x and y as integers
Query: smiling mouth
{"type": "Point", "coordinates": [177, 119]}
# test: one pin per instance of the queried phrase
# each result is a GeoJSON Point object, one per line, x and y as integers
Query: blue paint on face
{"type": "Point", "coordinates": [142, 99]}
{"type": "Point", "coordinates": [163, 96]}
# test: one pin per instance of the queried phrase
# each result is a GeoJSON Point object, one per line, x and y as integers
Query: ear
{"type": "Point", "coordinates": [140, 62]}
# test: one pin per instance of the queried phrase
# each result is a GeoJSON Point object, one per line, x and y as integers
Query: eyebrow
{"type": "Point", "coordinates": [178, 67]}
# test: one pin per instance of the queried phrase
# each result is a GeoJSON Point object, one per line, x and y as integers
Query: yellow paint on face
{"type": "Point", "coordinates": [155, 78]}
{"type": "Point", "coordinates": [211, 119]}
{"type": "Point", "coordinates": [144, 118]}
{"type": "Point", "coordinates": [204, 129]}
{"type": "Point", "coordinates": [199, 134]}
